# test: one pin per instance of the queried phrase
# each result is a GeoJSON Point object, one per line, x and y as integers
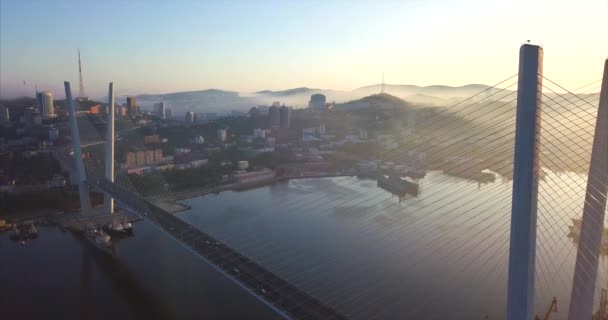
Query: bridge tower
{"type": "Point", "coordinates": [522, 250]}
{"type": "Point", "coordinates": [83, 190]}
{"type": "Point", "coordinates": [589, 245]}
{"type": "Point", "coordinates": [108, 201]}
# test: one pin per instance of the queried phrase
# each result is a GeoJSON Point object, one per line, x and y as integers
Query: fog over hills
{"type": "Point", "coordinates": [215, 100]}
{"type": "Point", "coordinates": [211, 100]}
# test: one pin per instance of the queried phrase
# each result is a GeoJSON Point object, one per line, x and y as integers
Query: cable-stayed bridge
{"type": "Point", "coordinates": [538, 153]}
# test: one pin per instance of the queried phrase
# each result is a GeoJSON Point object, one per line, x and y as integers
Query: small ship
{"type": "Point", "coordinates": [397, 185]}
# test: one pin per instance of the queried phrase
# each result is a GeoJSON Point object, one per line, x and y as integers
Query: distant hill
{"type": "Point", "coordinates": [435, 91]}
{"type": "Point", "coordinates": [289, 92]}
{"type": "Point", "coordinates": [382, 101]}
{"type": "Point", "coordinates": [215, 100]}
{"type": "Point", "coordinates": [435, 95]}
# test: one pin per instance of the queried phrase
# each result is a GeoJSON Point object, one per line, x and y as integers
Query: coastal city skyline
{"type": "Point", "coordinates": [275, 46]}
{"type": "Point", "coordinates": [330, 160]}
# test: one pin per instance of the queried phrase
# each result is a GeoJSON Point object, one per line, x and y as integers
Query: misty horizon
{"type": "Point", "coordinates": [153, 49]}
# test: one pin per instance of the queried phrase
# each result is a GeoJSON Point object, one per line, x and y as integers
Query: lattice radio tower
{"type": "Point", "coordinates": [80, 83]}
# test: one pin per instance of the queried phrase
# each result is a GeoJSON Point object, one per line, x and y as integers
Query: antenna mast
{"type": "Point", "coordinates": [80, 83]}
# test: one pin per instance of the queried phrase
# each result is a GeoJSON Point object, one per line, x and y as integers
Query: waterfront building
{"type": "Point", "coordinates": [255, 176]}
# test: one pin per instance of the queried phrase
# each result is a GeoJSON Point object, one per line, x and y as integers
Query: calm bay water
{"type": "Point", "coordinates": [56, 276]}
{"type": "Point", "coordinates": [373, 255]}
{"type": "Point", "coordinates": [349, 243]}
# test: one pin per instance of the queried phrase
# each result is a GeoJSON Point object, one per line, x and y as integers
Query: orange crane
{"type": "Point", "coordinates": [602, 313]}
{"type": "Point", "coordinates": [552, 309]}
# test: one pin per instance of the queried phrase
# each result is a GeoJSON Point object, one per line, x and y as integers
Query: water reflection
{"type": "Point", "coordinates": [148, 276]}
{"type": "Point", "coordinates": [372, 254]}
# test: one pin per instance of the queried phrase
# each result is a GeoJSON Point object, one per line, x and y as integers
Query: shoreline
{"type": "Point", "coordinates": [199, 192]}
{"type": "Point", "coordinates": [179, 195]}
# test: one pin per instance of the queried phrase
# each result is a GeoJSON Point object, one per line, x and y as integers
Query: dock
{"type": "Point", "coordinates": [77, 221]}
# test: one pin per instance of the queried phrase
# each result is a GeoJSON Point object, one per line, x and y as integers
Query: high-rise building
{"type": "Point", "coordinates": [5, 115]}
{"type": "Point", "coordinates": [274, 117]}
{"type": "Point", "coordinates": [28, 116]}
{"type": "Point", "coordinates": [159, 109]}
{"type": "Point", "coordinates": [285, 117]}
{"type": "Point", "coordinates": [221, 135]}
{"type": "Point", "coordinates": [317, 101]}
{"type": "Point", "coordinates": [44, 101]}
{"type": "Point", "coordinates": [132, 106]}
{"type": "Point", "coordinates": [168, 113]}
{"type": "Point", "coordinates": [190, 117]}
{"type": "Point", "coordinates": [276, 104]}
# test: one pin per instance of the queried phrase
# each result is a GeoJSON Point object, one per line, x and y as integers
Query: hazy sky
{"type": "Point", "coordinates": [165, 46]}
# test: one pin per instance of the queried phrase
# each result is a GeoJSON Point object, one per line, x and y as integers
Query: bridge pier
{"type": "Point", "coordinates": [589, 245]}
{"type": "Point", "coordinates": [109, 173]}
{"type": "Point", "coordinates": [83, 190]}
{"type": "Point", "coordinates": [522, 250]}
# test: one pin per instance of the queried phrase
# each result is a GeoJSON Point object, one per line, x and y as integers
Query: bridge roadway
{"type": "Point", "coordinates": [268, 287]}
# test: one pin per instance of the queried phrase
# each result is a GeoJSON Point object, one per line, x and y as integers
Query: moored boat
{"type": "Point", "coordinates": [32, 232]}
{"type": "Point", "coordinates": [15, 233]}
{"type": "Point", "coordinates": [114, 228]}
{"type": "Point", "coordinates": [98, 239]}
{"type": "Point", "coordinates": [397, 185]}
{"type": "Point", "coordinates": [127, 226]}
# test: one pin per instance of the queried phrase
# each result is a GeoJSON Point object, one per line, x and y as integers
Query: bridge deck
{"type": "Point", "coordinates": [265, 284]}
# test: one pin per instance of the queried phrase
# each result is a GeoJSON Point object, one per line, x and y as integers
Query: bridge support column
{"type": "Point", "coordinates": [589, 245]}
{"type": "Point", "coordinates": [522, 250]}
{"type": "Point", "coordinates": [108, 201]}
{"type": "Point", "coordinates": [83, 190]}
